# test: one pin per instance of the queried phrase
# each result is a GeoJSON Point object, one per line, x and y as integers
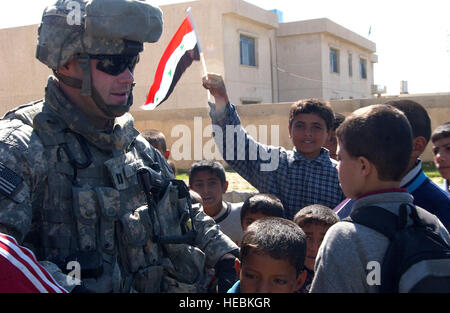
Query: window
{"type": "Point", "coordinates": [350, 65]}
{"type": "Point", "coordinates": [334, 60]}
{"type": "Point", "coordinates": [363, 68]}
{"type": "Point", "coordinates": [247, 49]}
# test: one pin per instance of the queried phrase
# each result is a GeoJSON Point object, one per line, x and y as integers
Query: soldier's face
{"type": "Point", "coordinates": [114, 90]}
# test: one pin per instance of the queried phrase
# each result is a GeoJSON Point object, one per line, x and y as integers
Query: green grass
{"type": "Point", "coordinates": [182, 176]}
{"type": "Point", "coordinates": [430, 170]}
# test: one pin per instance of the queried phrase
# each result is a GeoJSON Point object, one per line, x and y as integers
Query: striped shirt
{"type": "Point", "coordinates": [296, 180]}
{"type": "Point", "coordinates": [20, 271]}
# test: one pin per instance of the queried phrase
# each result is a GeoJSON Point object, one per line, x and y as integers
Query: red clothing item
{"type": "Point", "coordinates": [20, 271]}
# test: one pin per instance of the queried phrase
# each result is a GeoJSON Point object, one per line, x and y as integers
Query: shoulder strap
{"type": "Point", "coordinates": [379, 219]}
{"type": "Point", "coordinates": [25, 112]}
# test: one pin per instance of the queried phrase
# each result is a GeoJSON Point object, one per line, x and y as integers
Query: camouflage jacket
{"type": "Point", "coordinates": [74, 195]}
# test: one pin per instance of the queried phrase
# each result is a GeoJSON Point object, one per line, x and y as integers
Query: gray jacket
{"type": "Point", "coordinates": [347, 254]}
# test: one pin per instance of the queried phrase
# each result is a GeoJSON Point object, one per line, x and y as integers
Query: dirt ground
{"type": "Point", "coordinates": [236, 182]}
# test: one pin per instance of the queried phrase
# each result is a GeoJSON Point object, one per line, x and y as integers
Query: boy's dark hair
{"type": "Point", "coordinates": [338, 119]}
{"type": "Point", "coordinates": [262, 202]}
{"type": "Point", "coordinates": [156, 138]}
{"type": "Point", "coordinates": [442, 131]}
{"type": "Point", "coordinates": [207, 165]}
{"type": "Point", "coordinates": [316, 214]}
{"type": "Point", "coordinates": [279, 238]}
{"type": "Point", "coordinates": [315, 106]}
{"type": "Point", "coordinates": [417, 116]}
{"type": "Point", "coordinates": [381, 134]}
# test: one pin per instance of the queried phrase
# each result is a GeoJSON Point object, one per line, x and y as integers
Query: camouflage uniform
{"type": "Point", "coordinates": [73, 193]}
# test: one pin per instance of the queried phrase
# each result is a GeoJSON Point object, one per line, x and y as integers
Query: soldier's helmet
{"type": "Point", "coordinates": [90, 28]}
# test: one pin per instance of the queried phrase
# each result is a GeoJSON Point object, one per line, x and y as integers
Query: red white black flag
{"type": "Point", "coordinates": [182, 50]}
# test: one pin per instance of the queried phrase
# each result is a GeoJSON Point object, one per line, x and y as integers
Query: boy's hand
{"type": "Point", "coordinates": [215, 84]}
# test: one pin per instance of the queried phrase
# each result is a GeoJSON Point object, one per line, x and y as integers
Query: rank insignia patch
{"type": "Point", "coordinates": [9, 181]}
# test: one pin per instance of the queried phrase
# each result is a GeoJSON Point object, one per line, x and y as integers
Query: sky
{"type": "Point", "coordinates": [412, 36]}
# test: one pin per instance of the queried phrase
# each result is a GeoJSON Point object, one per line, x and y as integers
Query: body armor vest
{"type": "Point", "coordinates": [93, 210]}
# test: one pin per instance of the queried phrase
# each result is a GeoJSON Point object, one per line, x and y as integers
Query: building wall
{"type": "Point", "coordinates": [299, 65]}
{"type": "Point", "coordinates": [303, 57]}
{"type": "Point", "coordinates": [340, 85]}
{"type": "Point", "coordinates": [250, 83]}
{"type": "Point", "coordinates": [24, 78]}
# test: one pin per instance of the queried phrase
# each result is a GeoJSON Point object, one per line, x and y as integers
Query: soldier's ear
{"type": "Point", "coordinates": [70, 68]}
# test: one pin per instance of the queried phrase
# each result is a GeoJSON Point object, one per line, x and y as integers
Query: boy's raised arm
{"type": "Point", "coordinates": [215, 84]}
{"type": "Point", "coordinates": [254, 161]}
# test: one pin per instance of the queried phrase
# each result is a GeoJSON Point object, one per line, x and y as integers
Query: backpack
{"type": "Point", "coordinates": [417, 259]}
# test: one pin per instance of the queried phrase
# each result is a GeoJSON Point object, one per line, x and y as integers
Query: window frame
{"type": "Point", "coordinates": [255, 55]}
{"type": "Point", "coordinates": [362, 69]}
{"type": "Point", "coordinates": [336, 68]}
{"type": "Point", "coordinates": [350, 64]}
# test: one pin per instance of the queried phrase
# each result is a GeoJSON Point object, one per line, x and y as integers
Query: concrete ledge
{"type": "Point", "coordinates": [237, 196]}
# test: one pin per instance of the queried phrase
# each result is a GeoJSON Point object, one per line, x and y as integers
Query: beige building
{"type": "Point", "coordinates": [321, 59]}
{"type": "Point", "coordinates": [262, 60]}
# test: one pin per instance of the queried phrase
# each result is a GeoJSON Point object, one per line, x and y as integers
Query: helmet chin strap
{"type": "Point", "coordinates": [88, 90]}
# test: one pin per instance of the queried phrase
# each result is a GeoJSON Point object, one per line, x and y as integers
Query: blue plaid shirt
{"type": "Point", "coordinates": [297, 181]}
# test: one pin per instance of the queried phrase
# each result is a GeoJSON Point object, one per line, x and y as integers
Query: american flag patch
{"type": "Point", "coordinates": [9, 181]}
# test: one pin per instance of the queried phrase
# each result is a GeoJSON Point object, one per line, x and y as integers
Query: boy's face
{"type": "Point", "coordinates": [210, 188]}
{"type": "Point", "coordinates": [348, 168]}
{"type": "Point", "coordinates": [308, 133]}
{"type": "Point", "coordinates": [250, 217]}
{"type": "Point", "coordinates": [314, 236]}
{"type": "Point", "coordinates": [441, 151]}
{"type": "Point", "coordinates": [260, 273]}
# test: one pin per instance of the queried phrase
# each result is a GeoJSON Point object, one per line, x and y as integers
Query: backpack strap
{"type": "Point", "coordinates": [379, 219]}
{"type": "Point", "coordinates": [425, 219]}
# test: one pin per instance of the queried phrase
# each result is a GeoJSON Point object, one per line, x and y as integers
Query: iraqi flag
{"type": "Point", "coordinates": [182, 50]}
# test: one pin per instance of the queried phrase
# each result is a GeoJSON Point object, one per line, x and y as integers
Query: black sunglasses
{"type": "Point", "coordinates": [115, 64]}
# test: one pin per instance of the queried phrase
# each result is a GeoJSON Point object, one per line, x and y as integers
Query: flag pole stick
{"type": "Point", "coordinates": [202, 56]}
